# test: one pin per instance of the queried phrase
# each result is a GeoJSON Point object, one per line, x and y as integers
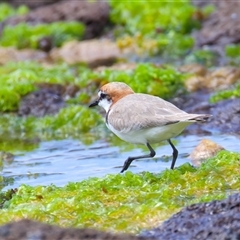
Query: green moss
{"type": "Point", "coordinates": [160, 27]}
{"type": "Point", "coordinates": [7, 11]}
{"type": "Point", "coordinates": [165, 16]}
{"type": "Point", "coordinates": [19, 79]}
{"type": "Point", "coordinates": [232, 50]}
{"type": "Point", "coordinates": [27, 36]}
{"type": "Point", "coordinates": [226, 94]}
{"type": "Point", "coordinates": [126, 202]}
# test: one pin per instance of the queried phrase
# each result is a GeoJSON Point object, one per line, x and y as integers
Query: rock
{"type": "Point", "coordinates": [92, 52]}
{"type": "Point", "coordinates": [222, 78]}
{"type": "Point", "coordinates": [193, 68]}
{"type": "Point", "coordinates": [65, 91]}
{"type": "Point", "coordinates": [94, 14]}
{"type": "Point", "coordinates": [204, 150]}
{"type": "Point", "coordinates": [221, 28]}
{"type": "Point", "coordinates": [30, 3]}
{"type": "Point", "coordinates": [118, 67]}
{"type": "Point", "coordinates": [31, 230]}
{"type": "Point", "coordinates": [217, 220]}
{"type": "Point", "coordinates": [13, 55]}
{"type": "Point", "coordinates": [195, 83]}
{"type": "Point", "coordinates": [225, 114]}
{"type": "Point", "coordinates": [40, 103]}
{"type": "Point", "coordinates": [203, 3]}
{"type": "Point", "coordinates": [219, 79]}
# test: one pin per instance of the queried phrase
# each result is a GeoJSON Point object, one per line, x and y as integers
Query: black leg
{"type": "Point", "coordinates": [174, 154]}
{"type": "Point", "coordinates": [128, 162]}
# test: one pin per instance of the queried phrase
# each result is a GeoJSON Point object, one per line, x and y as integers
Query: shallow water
{"type": "Point", "coordinates": [60, 162]}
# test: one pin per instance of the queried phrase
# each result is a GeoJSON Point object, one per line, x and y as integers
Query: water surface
{"type": "Point", "coordinates": [63, 161]}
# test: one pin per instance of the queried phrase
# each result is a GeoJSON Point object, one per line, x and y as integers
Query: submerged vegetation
{"type": "Point", "coordinates": [126, 202]}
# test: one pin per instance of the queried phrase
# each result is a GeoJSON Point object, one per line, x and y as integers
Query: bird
{"type": "Point", "coordinates": [140, 118]}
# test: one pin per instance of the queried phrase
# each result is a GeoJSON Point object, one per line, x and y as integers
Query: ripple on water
{"type": "Point", "coordinates": [60, 162]}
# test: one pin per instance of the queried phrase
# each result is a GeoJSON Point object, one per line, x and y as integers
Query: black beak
{"type": "Point", "coordinates": [93, 104]}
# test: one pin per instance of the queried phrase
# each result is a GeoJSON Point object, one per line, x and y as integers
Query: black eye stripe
{"type": "Point", "coordinates": [103, 95]}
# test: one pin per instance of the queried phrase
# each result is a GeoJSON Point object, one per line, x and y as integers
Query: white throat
{"type": "Point", "coordinates": [105, 103]}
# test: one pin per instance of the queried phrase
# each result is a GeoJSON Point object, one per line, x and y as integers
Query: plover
{"type": "Point", "coordinates": [142, 119]}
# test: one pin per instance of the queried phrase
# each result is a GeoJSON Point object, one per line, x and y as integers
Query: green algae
{"type": "Point", "coordinates": [232, 50]}
{"type": "Point", "coordinates": [7, 11]}
{"type": "Point", "coordinates": [24, 35]}
{"type": "Point", "coordinates": [177, 16]}
{"type": "Point", "coordinates": [18, 79]}
{"type": "Point", "coordinates": [126, 202]}
{"type": "Point", "coordinates": [234, 92]}
{"type": "Point", "coordinates": [159, 28]}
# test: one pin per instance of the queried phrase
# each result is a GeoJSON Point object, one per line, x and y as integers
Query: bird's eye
{"type": "Point", "coordinates": [103, 95]}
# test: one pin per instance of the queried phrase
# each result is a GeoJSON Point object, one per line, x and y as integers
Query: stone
{"type": "Point", "coordinates": [92, 52]}
{"type": "Point", "coordinates": [216, 220]}
{"type": "Point", "coordinates": [204, 150]}
{"type": "Point", "coordinates": [11, 54]}
{"type": "Point", "coordinates": [31, 230]}
{"type": "Point", "coordinates": [40, 103]}
{"type": "Point", "coordinates": [218, 79]}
